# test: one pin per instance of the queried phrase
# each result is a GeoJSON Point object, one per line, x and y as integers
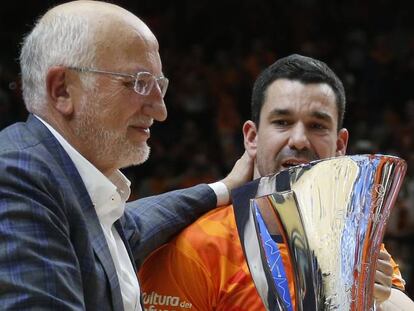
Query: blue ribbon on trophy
{"type": "Point", "coordinates": [274, 261]}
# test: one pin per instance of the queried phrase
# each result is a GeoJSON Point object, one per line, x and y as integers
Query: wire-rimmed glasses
{"type": "Point", "coordinates": [143, 81]}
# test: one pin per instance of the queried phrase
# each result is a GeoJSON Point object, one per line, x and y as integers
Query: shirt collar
{"type": "Point", "coordinates": [101, 189]}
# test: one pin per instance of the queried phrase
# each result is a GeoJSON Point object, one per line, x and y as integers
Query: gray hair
{"type": "Point", "coordinates": [56, 40]}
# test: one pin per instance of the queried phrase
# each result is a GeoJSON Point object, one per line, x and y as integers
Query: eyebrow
{"type": "Point", "coordinates": [321, 115]}
{"type": "Point", "coordinates": [280, 112]}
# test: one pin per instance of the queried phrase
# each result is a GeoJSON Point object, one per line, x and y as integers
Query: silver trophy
{"type": "Point", "coordinates": [331, 216]}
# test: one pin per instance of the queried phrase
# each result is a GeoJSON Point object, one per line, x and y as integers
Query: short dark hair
{"type": "Point", "coordinates": [299, 68]}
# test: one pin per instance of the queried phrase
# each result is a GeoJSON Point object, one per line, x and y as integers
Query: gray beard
{"type": "Point", "coordinates": [107, 144]}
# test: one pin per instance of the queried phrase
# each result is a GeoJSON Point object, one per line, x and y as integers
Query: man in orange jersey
{"type": "Point", "coordinates": [298, 106]}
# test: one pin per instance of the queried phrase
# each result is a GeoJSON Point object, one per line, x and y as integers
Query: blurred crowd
{"type": "Point", "coordinates": [213, 50]}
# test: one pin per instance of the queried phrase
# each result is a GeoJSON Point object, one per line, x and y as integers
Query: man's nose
{"type": "Point", "coordinates": [154, 105]}
{"type": "Point", "coordinates": [298, 138]}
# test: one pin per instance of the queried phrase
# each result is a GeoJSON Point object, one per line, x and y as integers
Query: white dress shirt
{"type": "Point", "coordinates": [108, 196]}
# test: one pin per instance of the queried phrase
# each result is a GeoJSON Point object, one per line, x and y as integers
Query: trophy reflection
{"type": "Point", "coordinates": [331, 215]}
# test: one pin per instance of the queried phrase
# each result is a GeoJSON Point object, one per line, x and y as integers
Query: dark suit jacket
{"type": "Point", "coordinates": [53, 253]}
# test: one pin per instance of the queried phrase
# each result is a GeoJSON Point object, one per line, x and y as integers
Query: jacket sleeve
{"type": "Point", "coordinates": [153, 221]}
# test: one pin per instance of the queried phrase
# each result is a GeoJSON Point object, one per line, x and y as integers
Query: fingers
{"type": "Point", "coordinates": [383, 277]}
{"type": "Point", "coordinates": [243, 169]}
{"type": "Point", "coordinates": [384, 269]}
{"type": "Point", "coordinates": [384, 255]}
{"type": "Point", "coordinates": [241, 173]}
{"type": "Point", "coordinates": [381, 293]}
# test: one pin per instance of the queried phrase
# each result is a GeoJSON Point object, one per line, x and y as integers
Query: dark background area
{"type": "Point", "coordinates": [213, 50]}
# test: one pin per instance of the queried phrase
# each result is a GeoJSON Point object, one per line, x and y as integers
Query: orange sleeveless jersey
{"type": "Point", "coordinates": [204, 269]}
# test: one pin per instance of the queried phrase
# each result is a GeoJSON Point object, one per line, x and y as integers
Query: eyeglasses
{"type": "Point", "coordinates": [144, 81]}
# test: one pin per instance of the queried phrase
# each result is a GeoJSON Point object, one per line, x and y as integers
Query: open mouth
{"type": "Point", "coordinates": [293, 162]}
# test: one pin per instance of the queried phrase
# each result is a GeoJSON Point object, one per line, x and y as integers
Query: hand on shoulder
{"type": "Point", "coordinates": [241, 173]}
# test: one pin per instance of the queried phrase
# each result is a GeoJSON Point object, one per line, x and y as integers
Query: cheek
{"type": "Point", "coordinates": [272, 143]}
{"type": "Point", "coordinates": [267, 158]}
{"type": "Point", "coordinates": [268, 149]}
{"type": "Point", "coordinates": [114, 109]}
{"type": "Point", "coordinates": [325, 147]}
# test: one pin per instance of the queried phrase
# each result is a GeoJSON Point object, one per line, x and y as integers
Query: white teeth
{"type": "Point", "coordinates": [292, 163]}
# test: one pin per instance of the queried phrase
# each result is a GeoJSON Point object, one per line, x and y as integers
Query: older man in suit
{"type": "Point", "coordinates": [93, 84]}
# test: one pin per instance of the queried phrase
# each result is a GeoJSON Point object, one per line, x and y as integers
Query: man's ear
{"type": "Point", "coordinates": [57, 90]}
{"type": "Point", "coordinates": [342, 142]}
{"type": "Point", "coordinates": [250, 137]}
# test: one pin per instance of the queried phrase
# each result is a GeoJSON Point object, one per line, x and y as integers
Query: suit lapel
{"type": "Point", "coordinates": [118, 227]}
{"type": "Point", "coordinates": [74, 180]}
{"type": "Point", "coordinates": [101, 249]}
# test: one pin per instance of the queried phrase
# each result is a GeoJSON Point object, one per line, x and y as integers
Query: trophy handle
{"type": "Point", "coordinates": [389, 175]}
